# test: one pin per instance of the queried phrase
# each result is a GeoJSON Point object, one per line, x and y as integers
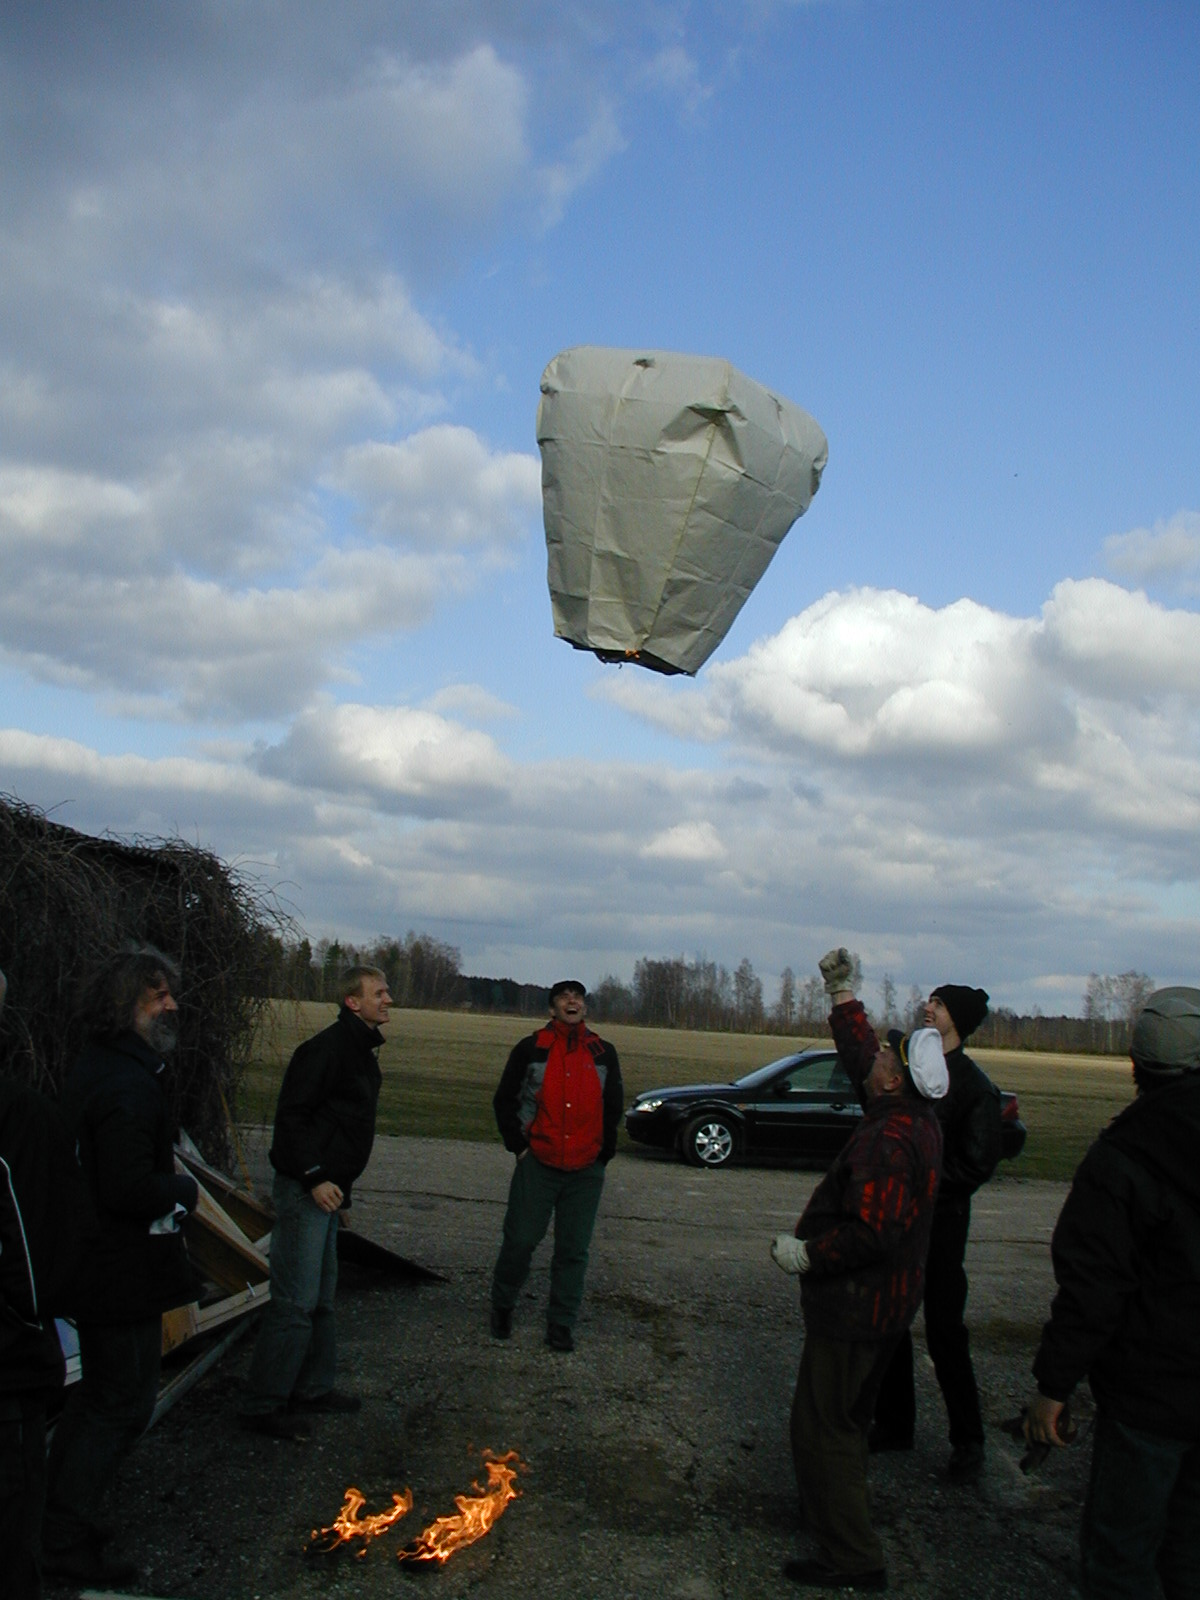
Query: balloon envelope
{"type": "Point", "coordinates": [668, 483]}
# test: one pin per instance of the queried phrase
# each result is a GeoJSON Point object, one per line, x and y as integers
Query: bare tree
{"type": "Point", "coordinates": [785, 1006]}
{"type": "Point", "coordinates": [1111, 1006]}
{"type": "Point", "coordinates": [748, 996]}
{"type": "Point", "coordinates": [914, 1016]}
{"type": "Point", "coordinates": [811, 1004]}
{"type": "Point", "coordinates": [887, 1000]}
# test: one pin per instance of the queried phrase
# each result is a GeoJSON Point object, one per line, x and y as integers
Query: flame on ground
{"type": "Point", "coordinates": [348, 1525]}
{"type": "Point", "coordinates": [442, 1538]}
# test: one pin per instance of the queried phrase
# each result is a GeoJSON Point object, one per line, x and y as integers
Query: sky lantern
{"type": "Point", "coordinates": [668, 483]}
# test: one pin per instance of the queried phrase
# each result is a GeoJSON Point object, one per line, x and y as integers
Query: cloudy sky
{"type": "Point", "coordinates": [277, 284]}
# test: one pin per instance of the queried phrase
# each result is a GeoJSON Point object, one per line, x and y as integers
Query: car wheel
{"type": "Point", "coordinates": [709, 1141]}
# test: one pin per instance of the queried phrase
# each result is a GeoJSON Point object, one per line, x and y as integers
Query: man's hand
{"type": "Point", "coordinates": [1042, 1422]}
{"type": "Point", "coordinates": [836, 969]}
{"type": "Point", "coordinates": [327, 1195]}
{"type": "Point", "coordinates": [789, 1253]}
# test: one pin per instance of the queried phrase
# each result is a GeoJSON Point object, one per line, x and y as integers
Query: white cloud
{"type": "Point", "coordinates": [686, 841]}
{"type": "Point", "coordinates": [875, 674]}
{"type": "Point", "coordinates": [1170, 551]}
{"type": "Point", "coordinates": [592, 149]}
{"type": "Point", "coordinates": [1108, 641]}
{"type": "Point", "coordinates": [442, 488]}
{"type": "Point", "coordinates": [674, 71]}
{"type": "Point", "coordinates": [472, 701]}
{"type": "Point", "coordinates": [396, 756]}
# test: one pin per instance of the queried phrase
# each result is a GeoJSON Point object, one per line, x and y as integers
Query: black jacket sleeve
{"type": "Point", "coordinates": [299, 1137]}
{"type": "Point", "coordinates": [971, 1129]}
{"type": "Point", "coordinates": [614, 1103]}
{"type": "Point", "coordinates": [1095, 1252]}
{"type": "Point", "coordinates": [506, 1102]}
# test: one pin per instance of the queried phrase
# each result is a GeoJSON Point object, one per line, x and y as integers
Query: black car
{"type": "Point", "coordinates": [802, 1105]}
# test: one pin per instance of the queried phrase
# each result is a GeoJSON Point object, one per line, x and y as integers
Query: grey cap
{"type": "Point", "coordinates": [1166, 1037]}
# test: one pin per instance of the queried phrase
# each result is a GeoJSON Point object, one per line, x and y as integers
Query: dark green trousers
{"type": "Point", "coordinates": [835, 1395]}
{"type": "Point", "coordinates": [535, 1194]}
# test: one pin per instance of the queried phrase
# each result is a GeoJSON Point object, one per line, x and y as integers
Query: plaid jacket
{"type": "Point", "coordinates": [867, 1224]}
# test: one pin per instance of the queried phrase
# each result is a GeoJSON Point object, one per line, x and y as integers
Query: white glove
{"type": "Point", "coordinates": [789, 1253]}
{"type": "Point", "coordinates": [836, 969]}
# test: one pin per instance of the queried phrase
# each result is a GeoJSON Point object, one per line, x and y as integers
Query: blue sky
{"type": "Point", "coordinates": [277, 285]}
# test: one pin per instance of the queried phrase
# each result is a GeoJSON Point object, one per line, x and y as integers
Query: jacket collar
{"type": "Point", "coordinates": [132, 1044]}
{"type": "Point", "coordinates": [362, 1033]}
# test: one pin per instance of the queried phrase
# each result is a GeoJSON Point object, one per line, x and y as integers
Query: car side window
{"type": "Point", "coordinates": [839, 1079]}
{"type": "Point", "coordinates": [810, 1077]}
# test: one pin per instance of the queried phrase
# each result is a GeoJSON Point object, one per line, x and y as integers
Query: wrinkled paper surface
{"type": "Point", "coordinates": [668, 483]}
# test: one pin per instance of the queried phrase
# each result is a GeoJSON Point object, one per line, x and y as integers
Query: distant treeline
{"type": "Point", "coordinates": [425, 973]}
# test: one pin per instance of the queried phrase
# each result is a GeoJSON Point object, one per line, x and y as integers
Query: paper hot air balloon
{"type": "Point", "coordinates": [668, 483]}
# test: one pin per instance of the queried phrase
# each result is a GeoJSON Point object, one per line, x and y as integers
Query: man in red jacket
{"type": "Point", "coordinates": [558, 1105]}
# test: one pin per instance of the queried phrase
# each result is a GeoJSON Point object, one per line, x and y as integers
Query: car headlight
{"type": "Point", "coordinates": [647, 1105]}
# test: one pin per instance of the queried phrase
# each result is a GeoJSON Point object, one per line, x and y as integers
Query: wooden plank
{"type": "Point", "coordinates": [220, 1250]}
{"type": "Point", "coordinates": [253, 1216]}
{"type": "Point", "coordinates": [178, 1326]}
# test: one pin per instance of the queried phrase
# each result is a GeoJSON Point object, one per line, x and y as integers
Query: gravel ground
{"type": "Point", "coordinates": [657, 1462]}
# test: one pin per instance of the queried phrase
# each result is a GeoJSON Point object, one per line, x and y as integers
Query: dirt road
{"type": "Point", "coordinates": [657, 1454]}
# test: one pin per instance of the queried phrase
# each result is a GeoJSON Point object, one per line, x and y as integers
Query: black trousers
{"type": "Point", "coordinates": [105, 1413]}
{"type": "Point", "coordinates": [22, 1494]}
{"type": "Point", "coordinates": [946, 1336]}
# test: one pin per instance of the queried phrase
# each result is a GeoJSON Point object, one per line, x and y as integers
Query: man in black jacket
{"type": "Point", "coordinates": [971, 1133]}
{"type": "Point", "coordinates": [324, 1129]}
{"type": "Point", "coordinates": [115, 1106]}
{"type": "Point", "coordinates": [1126, 1253]}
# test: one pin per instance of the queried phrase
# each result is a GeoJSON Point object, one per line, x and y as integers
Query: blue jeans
{"type": "Point", "coordinates": [105, 1413]}
{"type": "Point", "coordinates": [296, 1350]}
{"type": "Point", "coordinates": [535, 1194]}
{"type": "Point", "coordinates": [1141, 1519]}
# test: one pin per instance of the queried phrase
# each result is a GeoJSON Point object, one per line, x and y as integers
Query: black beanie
{"type": "Point", "coordinates": [967, 1007]}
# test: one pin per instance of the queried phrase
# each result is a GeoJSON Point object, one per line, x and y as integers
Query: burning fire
{"type": "Point", "coordinates": [475, 1516]}
{"type": "Point", "coordinates": [438, 1542]}
{"type": "Point", "coordinates": [348, 1525]}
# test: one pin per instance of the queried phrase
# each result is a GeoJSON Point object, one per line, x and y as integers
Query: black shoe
{"type": "Point", "coordinates": [814, 1573]}
{"type": "Point", "coordinates": [880, 1439]}
{"type": "Point", "coordinates": [87, 1563]}
{"type": "Point", "coordinates": [966, 1462]}
{"type": "Point", "coordinates": [332, 1401]}
{"type": "Point", "coordinates": [275, 1424]}
{"type": "Point", "coordinates": [559, 1336]}
{"type": "Point", "coordinates": [501, 1323]}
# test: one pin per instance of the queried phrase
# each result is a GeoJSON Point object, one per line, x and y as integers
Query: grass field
{"type": "Point", "coordinates": [441, 1068]}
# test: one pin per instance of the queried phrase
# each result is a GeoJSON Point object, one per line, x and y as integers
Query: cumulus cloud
{"type": "Point", "coordinates": [398, 757]}
{"type": "Point", "coordinates": [442, 487]}
{"type": "Point", "coordinates": [1169, 552]}
{"type": "Point", "coordinates": [1085, 717]}
{"type": "Point", "coordinates": [1069, 858]}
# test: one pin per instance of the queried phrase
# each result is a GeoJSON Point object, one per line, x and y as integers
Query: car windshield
{"type": "Point", "coordinates": [822, 1071]}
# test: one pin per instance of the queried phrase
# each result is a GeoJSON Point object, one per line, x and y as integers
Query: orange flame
{"type": "Point", "coordinates": [442, 1538]}
{"type": "Point", "coordinates": [348, 1525]}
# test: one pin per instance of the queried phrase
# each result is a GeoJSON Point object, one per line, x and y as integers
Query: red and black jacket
{"type": "Point", "coordinates": [561, 1097]}
{"type": "Point", "coordinates": [867, 1224]}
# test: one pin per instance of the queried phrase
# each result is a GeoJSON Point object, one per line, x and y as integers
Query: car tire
{"type": "Point", "coordinates": [710, 1140]}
